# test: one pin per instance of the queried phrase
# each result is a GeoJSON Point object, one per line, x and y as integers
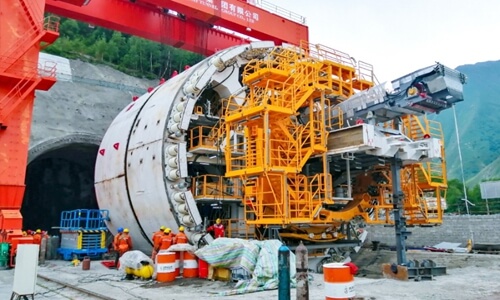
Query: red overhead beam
{"type": "Point", "coordinates": [240, 16]}
{"type": "Point", "coordinates": [148, 23]}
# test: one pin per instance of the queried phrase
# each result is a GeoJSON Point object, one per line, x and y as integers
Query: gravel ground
{"type": "Point", "coordinates": [469, 277]}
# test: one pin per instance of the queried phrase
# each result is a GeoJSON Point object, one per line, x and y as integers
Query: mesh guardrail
{"type": "Point", "coordinates": [108, 84]}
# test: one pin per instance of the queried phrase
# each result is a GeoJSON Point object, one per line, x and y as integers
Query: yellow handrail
{"type": "Point", "coordinates": [202, 136]}
{"type": "Point", "coordinates": [216, 187]}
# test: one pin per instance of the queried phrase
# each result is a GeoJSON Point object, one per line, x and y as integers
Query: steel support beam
{"type": "Point", "coordinates": [149, 23]}
{"type": "Point", "coordinates": [398, 211]}
{"type": "Point", "coordinates": [241, 17]}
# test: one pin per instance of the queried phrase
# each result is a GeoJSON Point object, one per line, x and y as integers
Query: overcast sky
{"type": "Point", "coordinates": [401, 36]}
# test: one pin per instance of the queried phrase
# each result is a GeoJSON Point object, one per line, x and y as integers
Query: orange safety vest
{"type": "Point", "coordinates": [116, 241]}
{"type": "Point", "coordinates": [181, 238]}
{"type": "Point", "coordinates": [157, 238]}
{"type": "Point", "coordinates": [124, 243]}
{"type": "Point", "coordinates": [37, 238]}
{"type": "Point", "coordinates": [165, 242]}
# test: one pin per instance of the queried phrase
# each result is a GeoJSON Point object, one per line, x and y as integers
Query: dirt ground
{"type": "Point", "coordinates": [469, 276]}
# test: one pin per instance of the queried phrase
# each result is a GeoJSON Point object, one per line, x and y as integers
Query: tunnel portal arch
{"type": "Point", "coordinates": [59, 176]}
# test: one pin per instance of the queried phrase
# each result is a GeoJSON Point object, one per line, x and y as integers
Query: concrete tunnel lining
{"type": "Point", "coordinates": [60, 142]}
{"type": "Point", "coordinates": [59, 177]}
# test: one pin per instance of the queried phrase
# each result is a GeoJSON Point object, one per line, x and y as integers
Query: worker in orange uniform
{"type": "Point", "coordinates": [166, 241]}
{"type": "Point", "coordinates": [156, 240]}
{"type": "Point", "coordinates": [124, 242]}
{"type": "Point", "coordinates": [37, 237]}
{"type": "Point", "coordinates": [181, 237]}
{"type": "Point", "coordinates": [218, 229]}
{"type": "Point", "coordinates": [116, 252]}
{"type": "Point", "coordinates": [117, 238]}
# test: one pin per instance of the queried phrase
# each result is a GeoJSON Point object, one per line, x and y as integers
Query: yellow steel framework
{"type": "Point", "coordinates": [203, 139]}
{"type": "Point", "coordinates": [275, 144]}
{"type": "Point", "coordinates": [423, 184]}
{"type": "Point", "coordinates": [214, 187]}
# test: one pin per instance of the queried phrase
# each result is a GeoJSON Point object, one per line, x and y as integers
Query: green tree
{"type": "Point", "coordinates": [100, 49]}
{"type": "Point", "coordinates": [454, 196]}
{"type": "Point", "coordinates": [131, 60]}
{"type": "Point", "coordinates": [117, 46]}
{"type": "Point", "coordinates": [477, 205]}
{"type": "Point", "coordinates": [69, 28]}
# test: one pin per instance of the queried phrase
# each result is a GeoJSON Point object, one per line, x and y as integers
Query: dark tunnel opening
{"type": "Point", "coordinates": [59, 180]}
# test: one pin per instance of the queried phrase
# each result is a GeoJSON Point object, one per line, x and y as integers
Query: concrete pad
{"type": "Point", "coordinates": [473, 277]}
{"type": "Point", "coordinates": [6, 280]}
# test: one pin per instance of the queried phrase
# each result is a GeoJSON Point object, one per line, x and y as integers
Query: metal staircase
{"type": "Point", "coordinates": [19, 92]}
{"type": "Point", "coordinates": [429, 174]}
{"type": "Point", "coordinates": [427, 177]}
{"type": "Point", "coordinates": [23, 75]}
{"type": "Point", "coordinates": [43, 32]}
{"type": "Point", "coordinates": [288, 83]}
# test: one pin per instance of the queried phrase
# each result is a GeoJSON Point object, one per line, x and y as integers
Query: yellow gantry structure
{"type": "Point", "coordinates": [276, 143]}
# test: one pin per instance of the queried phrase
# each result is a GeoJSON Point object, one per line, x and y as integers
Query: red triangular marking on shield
{"type": "Point", "coordinates": [102, 151]}
{"type": "Point", "coordinates": [116, 145]}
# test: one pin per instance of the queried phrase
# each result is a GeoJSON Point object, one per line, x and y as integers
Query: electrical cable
{"type": "Point", "coordinates": [224, 78]}
{"type": "Point", "coordinates": [462, 171]}
{"type": "Point", "coordinates": [212, 87]}
{"type": "Point", "coordinates": [102, 277]}
{"type": "Point", "coordinates": [49, 290]}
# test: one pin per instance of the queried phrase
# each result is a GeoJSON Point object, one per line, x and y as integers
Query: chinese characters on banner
{"type": "Point", "coordinates": [231, 9]}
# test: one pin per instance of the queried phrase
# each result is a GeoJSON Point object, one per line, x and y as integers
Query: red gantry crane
{"type": "Point", "coordinates": [202, 26]}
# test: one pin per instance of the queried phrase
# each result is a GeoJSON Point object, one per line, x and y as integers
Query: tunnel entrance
{"type": "Point", "coordinates": [58, 180]}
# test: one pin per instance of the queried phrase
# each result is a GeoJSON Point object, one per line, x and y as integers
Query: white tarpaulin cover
{"type": "Point", "coordinates": [132, 259]}
{"type": "Point", "coordinates": [260, 258]}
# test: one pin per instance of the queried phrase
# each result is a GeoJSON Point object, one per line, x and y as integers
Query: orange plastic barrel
{"type": "Point", "coordinates": [202, 268]}
{"type": "Point", "coordinates": [190, 265]}
{"type": "Point", "coordinates": [177, 263]}
{"type": "Point", "coordinates": [165, 266]}
{"type": "Point", "coordinates": [339, 282]}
